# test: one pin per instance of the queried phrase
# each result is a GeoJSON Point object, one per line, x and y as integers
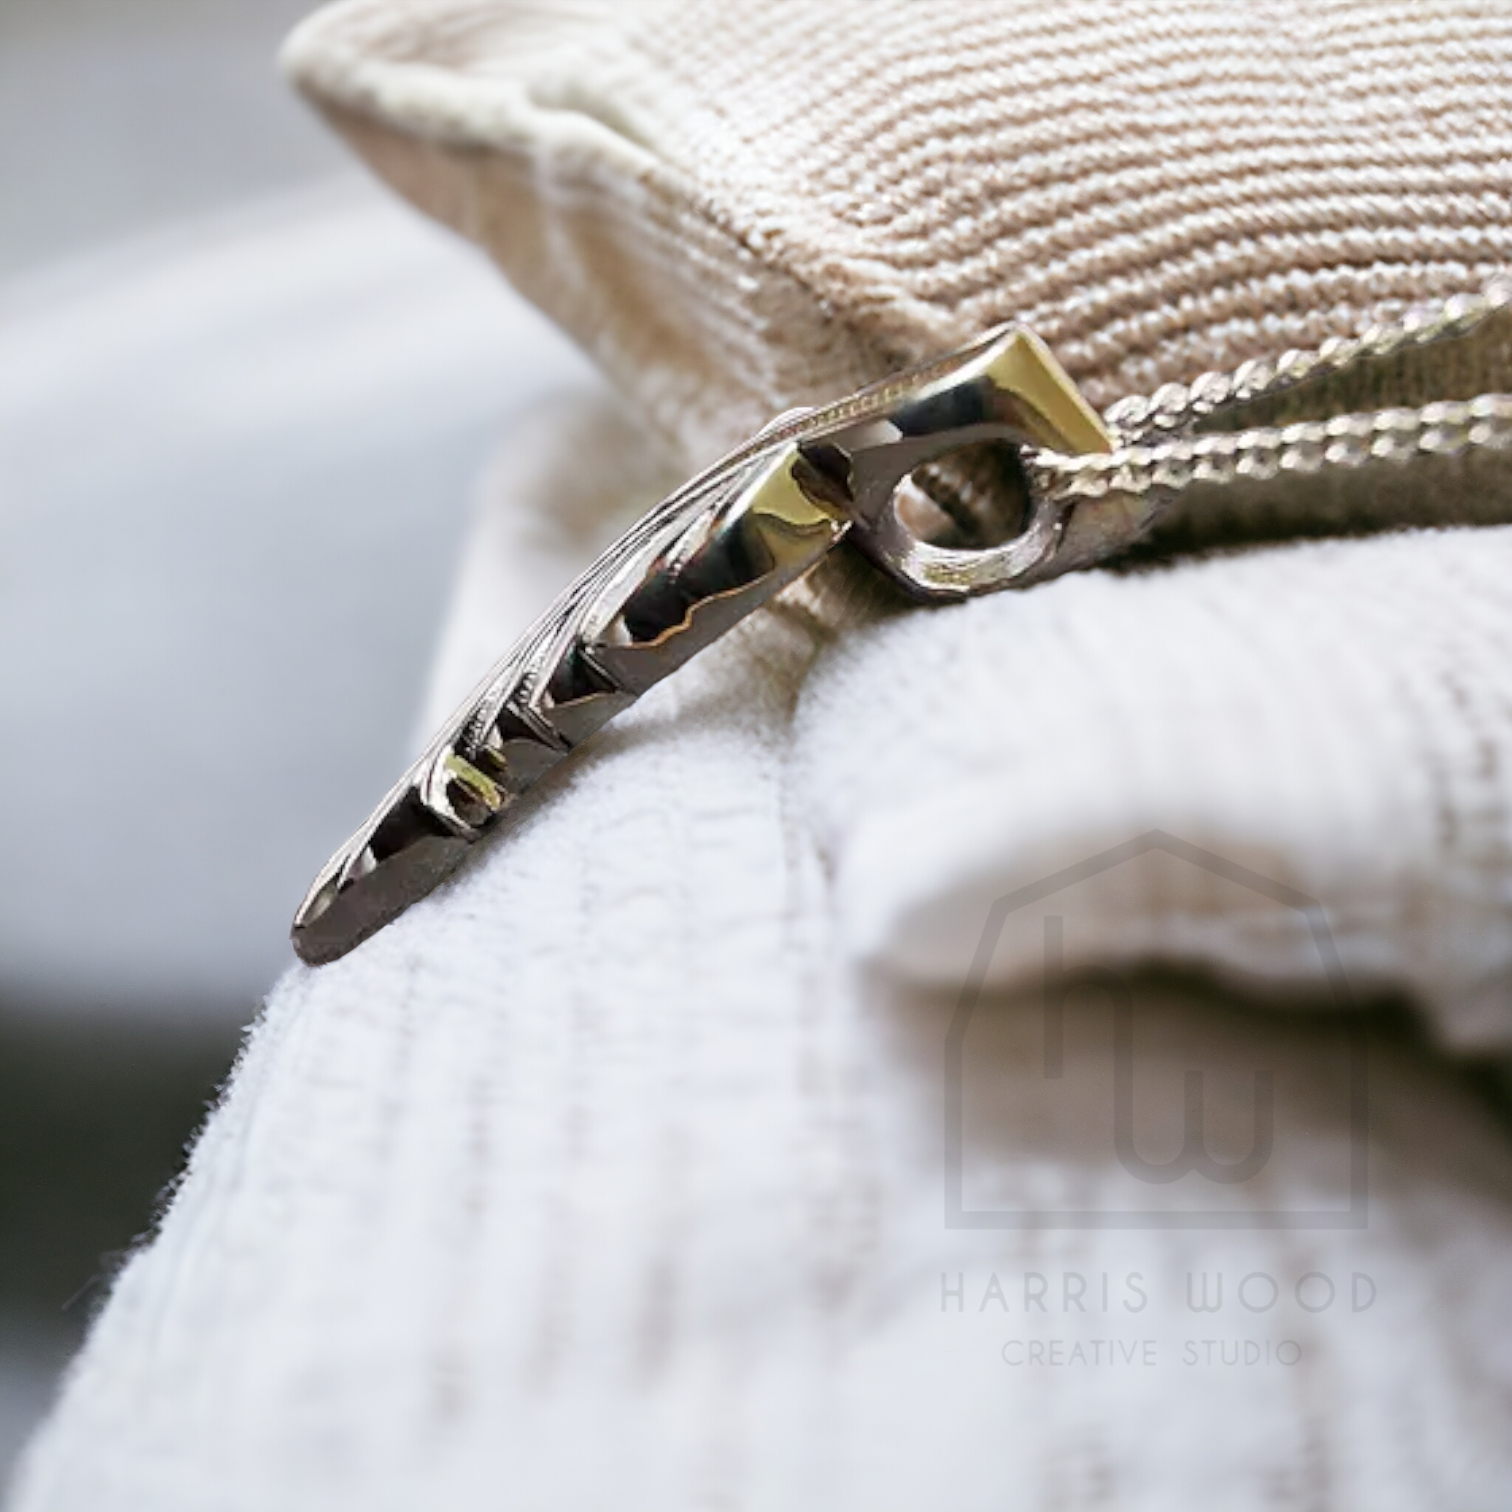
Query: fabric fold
{"type": "Point", "coordinates": [610, 1172]}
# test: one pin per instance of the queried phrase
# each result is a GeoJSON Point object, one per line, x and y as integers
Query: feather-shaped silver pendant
{"type": "Point", "coordinates": [683, 575]}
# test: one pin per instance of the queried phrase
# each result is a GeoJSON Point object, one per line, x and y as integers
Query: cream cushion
{"type": "Point", "coordinates": [738, 208]}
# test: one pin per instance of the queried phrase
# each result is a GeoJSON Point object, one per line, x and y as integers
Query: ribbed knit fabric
{"type": "Point", "coordinates": [738, 208]}
{"type": "Point", "coordinates": [612, 1175]}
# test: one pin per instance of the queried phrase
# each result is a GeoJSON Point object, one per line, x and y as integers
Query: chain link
{"type": "Point", "coordinates": [1160, 455]}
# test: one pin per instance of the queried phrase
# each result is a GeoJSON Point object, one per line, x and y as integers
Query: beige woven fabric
{"type": "Point", "coordinates": [742, 207]}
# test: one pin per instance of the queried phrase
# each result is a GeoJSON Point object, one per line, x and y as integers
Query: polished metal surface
{"type": "Point", "coordinates": [865, 470]}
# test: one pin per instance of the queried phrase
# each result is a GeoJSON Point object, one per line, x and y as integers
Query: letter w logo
{"type": "Point", "coordinates": [1194, 1154]}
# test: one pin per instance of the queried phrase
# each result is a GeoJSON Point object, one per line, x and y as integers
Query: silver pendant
{"type": "Point", "coordinates": [696, 564]}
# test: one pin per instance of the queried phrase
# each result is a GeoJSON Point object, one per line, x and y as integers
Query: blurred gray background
{"type": "Point", "coordinates": [243, 397]}
{"type": "Point", "coordinates": [118, 115]}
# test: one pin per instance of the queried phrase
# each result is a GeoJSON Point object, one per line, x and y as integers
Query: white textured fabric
{"type": "Point", "coordinates": [626, 1168]}
{"type": "Point", "coordinates": [611, 1174]}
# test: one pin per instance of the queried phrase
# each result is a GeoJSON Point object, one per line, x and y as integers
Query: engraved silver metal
{"type": "Point", "coordinates": [715, 550]}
